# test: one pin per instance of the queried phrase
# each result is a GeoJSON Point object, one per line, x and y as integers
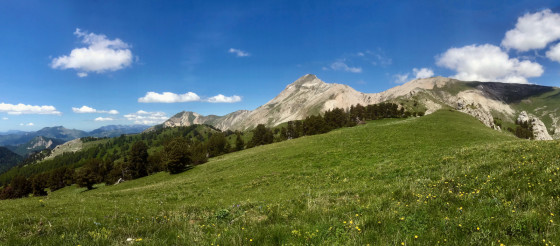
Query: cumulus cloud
{"type": "Point", "coordinates": [28, 124]}
{"type": "Point", "coordinates": [224, 99]}
{"type": "Point", "coordinates": [85, 109]}
{"type": "Point", "coordinates": [487, 63]}
{"type": "Point", "coordinates": [554, 53]}
{"type": "Point", "coordinates": [104, 119]}
{"type": "Point", "coordinates": [146, 118]}
{"type": "Point", "coordinates": [533, 31]}
{"type": "Point", "coordinates": [238, 52]}
{"type": "Point", "coordinates": [341, 66]}
{"type": "Point", "coordinates": [100, 55]}
{"type": "Point", "coordinates": [168, 97]}
{"type": "Point", "coordinates": [419, 73]}
{"type": "Point", "coordinates": [16, 109]}
{"type": "Point", "coordinates": [422, 73]}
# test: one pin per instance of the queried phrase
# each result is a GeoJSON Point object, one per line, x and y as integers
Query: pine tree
{"type": "Point", "coordinates": [38, 184]}
{"type": "Point", "coordinates": [86, 177]}
{"type": "Point", "coordinates": [217, 144]}
{"type": "Point", "coordinates": [138, 160]}
{"type": "Point", "coordinates": [177, 156]}
{"type": "Point", "coordinates": [239, 143]}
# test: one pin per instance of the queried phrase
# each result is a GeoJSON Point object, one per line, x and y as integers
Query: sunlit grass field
{"type": "Point", "coordinates": [444, 178]}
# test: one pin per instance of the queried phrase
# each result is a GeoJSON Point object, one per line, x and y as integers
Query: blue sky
{"type": "Point", "coordinates": [56, 57]}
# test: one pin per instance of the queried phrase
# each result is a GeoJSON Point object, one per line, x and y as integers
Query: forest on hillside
{"type": "Point", "coordinates": [174, 150]}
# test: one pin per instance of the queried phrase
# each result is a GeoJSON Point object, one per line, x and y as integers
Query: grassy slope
{"type": "Point", "coordinates": [438, 177]}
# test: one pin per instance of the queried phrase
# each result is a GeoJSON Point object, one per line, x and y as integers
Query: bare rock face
{"type": "Point", "coordinates": [41, 142]}
{"type": "Point", "coordinates": [539, 129]}
{"type": "Point", "coordinates": [306, 96]}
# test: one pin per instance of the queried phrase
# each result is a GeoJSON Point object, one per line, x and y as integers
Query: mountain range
{"type": "Point", "coordinates": [497, 105]}
{"type": "Point", "coordinates": [61, 133]}
{"type": "Point", "coordinates": [25, 143]}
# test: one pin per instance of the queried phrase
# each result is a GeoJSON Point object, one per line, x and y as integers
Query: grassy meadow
{"type": "Point", "coordinates": [442, 179]}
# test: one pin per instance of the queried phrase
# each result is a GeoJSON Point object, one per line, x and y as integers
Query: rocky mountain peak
{"type": "Point", "coordinates": [306, 81]}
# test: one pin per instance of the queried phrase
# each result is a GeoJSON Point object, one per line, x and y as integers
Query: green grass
{"type": "Point", "coordinates": [444, 178]}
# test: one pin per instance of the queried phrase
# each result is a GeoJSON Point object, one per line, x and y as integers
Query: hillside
{"type": "Point", "coordinates": [36, 144]}
{"type": "Point", "coordinates": [441, 178]}
{"type": "Point", "coordinates": [8, 159]}
{"type": "Point", "coordinates": [75, 153]}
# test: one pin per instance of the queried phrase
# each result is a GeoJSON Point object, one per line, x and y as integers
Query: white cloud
{"type": "Point", "coordinates": [223, 99]}
{"type": "Point", "coordinates": [168, 97]}
{"type": "Point", "coordinates": [422, 73]}
{"type": "Point", "coordinates": [100, 55]}
{"type": "Point", "coordinates": [85, 109]}
{"type": "Point", "coordinates": [104, 119]}
{"type": "Point", "coordinates": [341, 66]}
{"type": "Point", "coordinates": [401, 78]}
{"type": "Point", "coordinates": [554, 53]}
{"type": "Point", "coordinates": [147, 118]}
{"type": "Point", "coordinates": [418, 74]}
{"type": "Point", "coordinates": [487, 63]}
{"type": "Point", "coordinates": [28, 124]}
{"type": "Point", "coordinates": [5, 118]}
{"type": "Point", "coordinates": [27, 109]}
{"type": "Point", "coordinates": [533, 31]}
{"type": "Point", "coordinates": [238, 52]}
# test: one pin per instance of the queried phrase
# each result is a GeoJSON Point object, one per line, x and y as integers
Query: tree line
{"type": "Point", "coordinates": [330, 120]}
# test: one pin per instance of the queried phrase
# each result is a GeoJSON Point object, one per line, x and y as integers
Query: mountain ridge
{"type": "Point", "coordinates": [308, 95]}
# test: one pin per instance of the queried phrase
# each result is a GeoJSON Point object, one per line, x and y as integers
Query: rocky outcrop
{"type": "Point", "coordinates": [539, 129]}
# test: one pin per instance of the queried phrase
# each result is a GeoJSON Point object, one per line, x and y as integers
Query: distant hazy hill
{"type": "Point", "coordinates": [12, 132]}
{"type": "Point", "coordinates": [117, 130]}
{"type": "Point", "coordinates": [497, 105]}
{"type": "Point", "coordinates": [8, 159]}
